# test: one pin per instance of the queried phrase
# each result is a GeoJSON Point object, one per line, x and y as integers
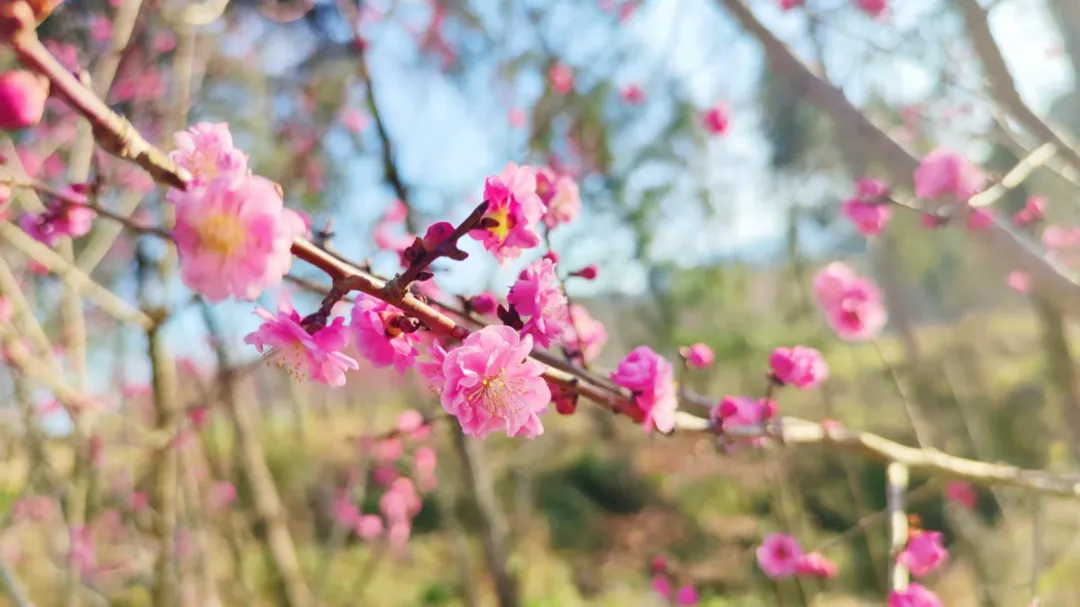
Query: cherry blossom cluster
{"type": "Point", "coordinates": [663, 580]}
{"type": "Point", "coordinates": [403, 469]}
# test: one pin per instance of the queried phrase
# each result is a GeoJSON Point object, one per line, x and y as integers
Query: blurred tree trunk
{"type": "Point", "coordinates": [492, 522]}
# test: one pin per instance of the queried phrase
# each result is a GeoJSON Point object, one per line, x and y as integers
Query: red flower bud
{"type": "Point", "coordinates": [22, 99]}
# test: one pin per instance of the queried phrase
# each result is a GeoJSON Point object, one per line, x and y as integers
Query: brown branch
{"type": "Point", "coordinates": [791, 431]}
{"type": "Point", "coordinates": [397, 286]}
{"type": "Point", "coordinates": [112, 132]}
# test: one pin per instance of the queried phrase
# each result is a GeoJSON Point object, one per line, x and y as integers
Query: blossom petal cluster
{"type": "Point", "coordinates": [61, 219]}
{"type": "Point", "coordinates": [652, 380]}
{"type": "Point", "coordinates": [780, 556]}
{"type": "Point", "coordinates": [233, 232]}
{"type": "Point", "coordinates": [285, 343]}
{"type": "Point", "coordinates": [560, 195]}
{"type": "Point", "coordinates": [381, 336]}
{"type": "Point", "coordinates": [924, 553]}
{"type": "Point", "coordinates": [945, 173]}
{"type": "Point", "coordinates": [799, 366]}
{"type": "Point", "coordinates": [866, 209]}
{"type": "Point", "coordinates": [537, 294]}
{"type": "Point", "coordinates": [509, 225]}
{"type": "Point", "coordinates": [584, 334]}
{"type": "Point", "coordinates": [852, 304]}
{"type": "Point", "coordinates": [490, 385]}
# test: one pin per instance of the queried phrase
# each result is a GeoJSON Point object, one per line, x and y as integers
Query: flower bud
{"type": "Point", "coordinates": [22, 99]}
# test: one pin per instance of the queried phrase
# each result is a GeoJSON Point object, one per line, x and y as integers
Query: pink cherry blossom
{"type": "Point", "coordinates": [345, 512]}
{"type": "Point", "coordinates": [22, 99]}
{"type": "Point", "coordinates": [1034, 210]}
{"type": "Point", "coordinates": [815, 564]}
{"type": "Point", "coordinates": [661, 586]}
{"type": "Point", "coordinates": [686, 596]}
{"type": "Point", "coordinates": [234, 237]}
{"type": "Point", "coordinates": [698, 356]}
{"type": "Point", "coordinates": [517, 117]}
{"type": "Point", "coordinates": [915, 595]}
{"type": "Point", "coordinates": [584, 334]}
{"type": "Point", "coordinates": [944, 172]}
{"type": "Point", "coordinates": [537, 294]}
{"type": "Point", "coordinates": [33, 509]}
{"type": "Point", "coordinates": [138, 500]}
{"type": "Point", "coordinates": [778, 556]}
{"type": "Point", "coordinates": [562, 78]}
{"type": "Point", "coordinates": [380, 338]}
{"type": "Point", "coordinates": [874, 8]}
{"type": "Point", "coordinates": [787, 5]}
{"type": "Point", "coordinates": [830, 282]}
{"type": "Point", "coordinates": [491, 384]}
{"type": "Point", "coordinates": [962, 493]}
{"type": "Point", "coordinates": [410, 421]}
{"type": "Point", "coordinates": [717, 120]}
{"type": "Point", "coordinates": [737, 411]}
{"type": "Point", "coordinates": [385, 474]}
{"type": "Point", "coordinates": [632, 94]}
{"type": "Point", "coordinates": [81, 550]}
{"type": "Point", "coordinates": [1019, 281]}
{"type": "Point", "coordinates": [924, 553]}
{"type": "Point", "coordinates": [398, 536]}
{"type": "Point", "coordinates": [432, 371]}
{"type": "Point", "coordinates": [100, 29]}
{"type": "Point", "coordinates": [869, 218]}
{"type": "Point", "coordinates": [424, 460]}
{"type": "Point", "coordinates": [353, 120]}
{"type": "Point", "coordinates": [60, 220]}
{"type": "Point", "coordinates": [800, 366]}
{"type": "Point", "coordinates": [485, 303]}
{"type": "Point", "coordinates": [388, 450]}
{"type": "Point", "coordinates": [163, 41]}
{"type": "Point", "coordinates": [1058, 239]}
{"type": "Point", "coordinates": [285, 343]}
{"type": "Point", "coordinates": [514, 209]}
{"type": "Point", "coordinates": [369, 526]}
{"type": "Point", "coordinates": [206, 151]}
{"type": "Point", "coordinates": [979, 220]}
{"type": "Point", "coordinates": [652, 380]}
{"type": "Point", "coordinates": [565, 205]}
{"type": "Point", "coordinates": [852, 304]}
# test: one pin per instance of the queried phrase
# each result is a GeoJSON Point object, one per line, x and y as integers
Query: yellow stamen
{"type": "Point", "coordinates": [222, 233]}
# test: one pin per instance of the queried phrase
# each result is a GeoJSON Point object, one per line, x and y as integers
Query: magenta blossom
{"type": "Point", "coordinates": [491, 384]}
{"type": "Point", "coordinates": [915, 595]}
{"type": "Point", "coordinates": [632, 94]}
{"type": "Point", "coordinates": [284, 342]}
{"type": "Point", "coordinates": [433, 371]}
{"type": "Point", "coordinates": [206, 151]}
{"type": "Point", "coordinates": [686, 596]}
{"type": "Point", "coordinates": [565, 203]}
{"type": "Point", "coordinates": [800, 366]}
{"type": "Point", "coordinates": [513, 212]}
{"type": "Point", "coordinates": [234, 237]}
{"type": "Point", "coordinates": [870, 218]}
{"type": "Point", "coordinates": [485, 303]}
{"type": "Point", "coordinates": [944, 172]}
{"type": "Point", "coordinates": [584, 334]}
{"type": "Point", "coordinates": [787, 5]}
{"type": "Point", "coordinates": [717, 119]}
{"type": "Point", "coordinates": [979, 220]}
{"type": "Point", "coordinates": [60, 220]}
{"type": "Point", "coordinates": [1019, 281]}
{"type": "Point", "coordinates": [815, 564]}
{"type": "Point", "coordinates": [652, 380]}
{"type": "Point", "coordinates": [536, 294]}
{"type": "Point", "coordinates": [380, 334]}
{"type": "Point", "coordinates": [852, 304]}
{"type": "Point", "coordinates": [778, 556]}
{"type": "Point", "coordinates": [1034, 210]}
{"type": "Point", "coordinates": [874, 8]}
{"type": "Point", "coordinates": [924, 553]}
{"type": "Point", "coordinates": [22, 99]}
{"type": "Point", "coordinates": [368, 526]}
{"type": "Point", "coordinates": [562, 78]}
{"type": "Point", "coordinates": [962, 493]}
{"type": "Point", "coordinates": [736, 411]}
{"type": "Point", "coordinates": [698, 356]}
{"type": "Point", "coordinates": [661, 586]}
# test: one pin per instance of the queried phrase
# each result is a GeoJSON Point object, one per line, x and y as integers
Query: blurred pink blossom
{"type": "Point", "coordinates": [778, 556]}
{"type": "Point", "coordinates": [698, 355]}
